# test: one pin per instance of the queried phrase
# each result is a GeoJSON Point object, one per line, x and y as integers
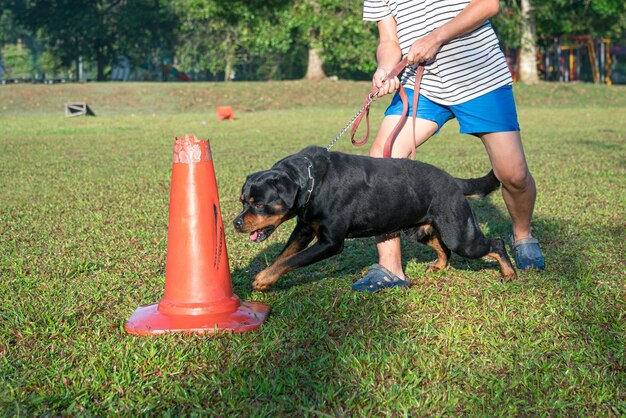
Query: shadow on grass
{"type": "Point", "coordinates": [339, 347]}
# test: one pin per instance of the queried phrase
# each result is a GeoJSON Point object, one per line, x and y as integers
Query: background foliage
{"type": "Point", "coordinates": [247, 40]}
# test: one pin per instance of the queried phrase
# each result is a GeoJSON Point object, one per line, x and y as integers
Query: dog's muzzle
{"type": "Point", "coordinates": [256, 235]}
{"type": "Point", "coordinates": [238, 224]}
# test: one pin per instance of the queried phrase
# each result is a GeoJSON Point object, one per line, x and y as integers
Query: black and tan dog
{"type": "Point", "coordinates": [337, 196]}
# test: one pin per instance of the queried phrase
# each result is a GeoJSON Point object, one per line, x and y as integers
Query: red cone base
{"type": "Point", "coordinates": [148, 320]}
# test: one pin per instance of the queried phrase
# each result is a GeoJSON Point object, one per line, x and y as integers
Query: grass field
{"type": "Point", "coordinates": [83, 241]}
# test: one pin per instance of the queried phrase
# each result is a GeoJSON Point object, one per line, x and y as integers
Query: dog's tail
{"type": "Point", "coordinates": [480, 187]}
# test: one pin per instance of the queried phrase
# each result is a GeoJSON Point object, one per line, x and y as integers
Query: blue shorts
{"type": "Point", "coordinates": [491, 112]}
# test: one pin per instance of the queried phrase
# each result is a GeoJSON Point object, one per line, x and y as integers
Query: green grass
{"type": "Point", "coordinates": [83, 240]}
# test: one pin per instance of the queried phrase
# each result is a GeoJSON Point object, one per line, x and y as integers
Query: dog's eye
{"type": "Point", "coordinates": [258, 205]}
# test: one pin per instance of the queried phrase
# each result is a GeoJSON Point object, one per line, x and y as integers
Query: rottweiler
{"type": "Point", "coordinates": [337, 196]}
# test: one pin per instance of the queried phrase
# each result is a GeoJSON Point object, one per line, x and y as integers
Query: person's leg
{"type": "Point", "coordinates": [402, 148]}
{"type": "Point", "coordinates": [518, 186]}
{"type": "Point", "coordinates": [389, 254]}
{"type": "Point", "coordinates": [493, 118]}
{"type": "Point", "coordinates": [430, 117]}
{"type": "Point", "coordinates": [519, 192]}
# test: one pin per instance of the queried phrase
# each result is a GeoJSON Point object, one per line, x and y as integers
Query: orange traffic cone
{"type": "Point", "coordinates": [198, 291]}
{"type": "Point", "coordinates": [225, 112]}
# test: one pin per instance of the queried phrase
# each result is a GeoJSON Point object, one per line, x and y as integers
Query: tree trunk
{"type": "Point", "coordinates": [315, 69]}
{"type": "Point", "coordinates": [100, 63]}
{"type": "Point", "coordinates": [229, 67]}
{"type": "Point", "coordinates": [229, 72]}
{"type": "Point", "coordinates": [527, 65]}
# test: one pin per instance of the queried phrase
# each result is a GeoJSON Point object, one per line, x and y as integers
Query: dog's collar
{"type": "Point", "coordinates": [310, 181]}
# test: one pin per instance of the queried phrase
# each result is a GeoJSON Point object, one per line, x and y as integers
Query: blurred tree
{"type": "Point", "coordinates": [245, 34]}
{"type": "Point", "coordinates": [337, 40]}
{"type": "Point", "coordinates": [208, 36]}
{"type": "Point", "coordinates": [19, 44]}
{"type": "Point", "coordinates": [507, 24]}
{"type": "Point", "coordinates": [310, 16]}
{"type": "Point", "coordinates": [93, 30]}
{"type": "Point", "coordinates": [348, 43]}
{"type": "Point", "coordinates": [10, 31]}
{"type": "Point", "coordinates": [599, 18]}
{"type": "Point", "coordinates": [51, 64]}
{"type": "Point", "coordinates": [271, 44]}
{"type": "Point", "coordinates": [17, 60]}
{"type": "Point", "coordinates": [271, 39]}
{"type": "Point", "coordinates": [146, 30]}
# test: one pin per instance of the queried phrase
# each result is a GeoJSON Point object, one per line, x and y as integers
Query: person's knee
{"type": "Point", "coordinates": [519, 180]}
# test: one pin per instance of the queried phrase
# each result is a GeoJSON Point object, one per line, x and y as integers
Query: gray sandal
{"type": "Point", "coordinates": [379, 278]}
{"type": "Point", "coordinates": [527, 254]}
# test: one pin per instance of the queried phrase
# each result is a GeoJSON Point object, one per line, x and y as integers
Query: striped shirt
{"type": "Point", "coordinates": [464, 68]}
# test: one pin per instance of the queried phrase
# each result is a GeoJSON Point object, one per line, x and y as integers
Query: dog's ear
{"type": "Point", "coordinates": [287, 189]}
{"type": "Point", "coordinates": [251, 180]}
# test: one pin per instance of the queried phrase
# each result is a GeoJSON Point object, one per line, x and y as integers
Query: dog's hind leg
{"type": "Point", "coordinates": [476, 245]}
{"type": "Point", "coordinates": [418, 233]}
{"type": "Point", "coordinates": [443, 253]}
{"type": "Point", "coordinates": [428, 235]}
{"type": "Point", "coordinates": [497, 250]}
{"type": "Point", "coordinates": [463, 236]}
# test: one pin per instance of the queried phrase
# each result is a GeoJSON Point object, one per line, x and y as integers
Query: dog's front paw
{"type": "Point", "coordinates": [264, 280]}
{"type": "Point", "coordinates": [436, 267]}
{"type": "Point", "coordinates": [260, 286]}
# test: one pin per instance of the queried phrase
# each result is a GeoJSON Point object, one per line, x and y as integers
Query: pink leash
{"type": "Point", "coordinates": [405, 107]}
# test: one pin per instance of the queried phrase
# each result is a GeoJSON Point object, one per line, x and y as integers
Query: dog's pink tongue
{"type": "Point", "coordinates": [254, 235]}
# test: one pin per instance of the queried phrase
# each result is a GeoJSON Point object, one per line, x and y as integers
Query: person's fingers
{"type": "Point", "coordinates": [417, 57]}
{"type": "Point", "coordinates": [389, 86]}
{"type": "Point", "coordinates": [410, 57]}
{"type": "Point", "coordinates": [379, 76]}
{"type": "Point", "coordinates": [383, 89]}
{"type": "Point", "coordinates": [395, 84]}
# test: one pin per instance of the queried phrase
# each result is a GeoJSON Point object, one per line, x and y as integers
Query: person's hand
{"type": "Point", "coordinates": [385, 87]}
{"type": "Point", "coordinates": [424, 49]}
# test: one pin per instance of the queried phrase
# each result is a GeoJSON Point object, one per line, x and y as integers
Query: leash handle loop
{"type": "Point", "coordinates": [403, 96]}
{"type": "Point", "coordinates": [366, 104]}
{"type": "Point", "coordinates": [405, 107]}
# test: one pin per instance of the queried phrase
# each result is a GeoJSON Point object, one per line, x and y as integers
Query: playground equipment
{"type": "Point", "coordinates": [198, 291]}
{"type": "Point", "coordinates": [618, 64]}
{"type": "Point", "coordinates": [575, 58]}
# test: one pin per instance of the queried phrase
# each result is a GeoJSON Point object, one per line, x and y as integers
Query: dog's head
{"type": "Point", "coordinates": [268, 199]}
